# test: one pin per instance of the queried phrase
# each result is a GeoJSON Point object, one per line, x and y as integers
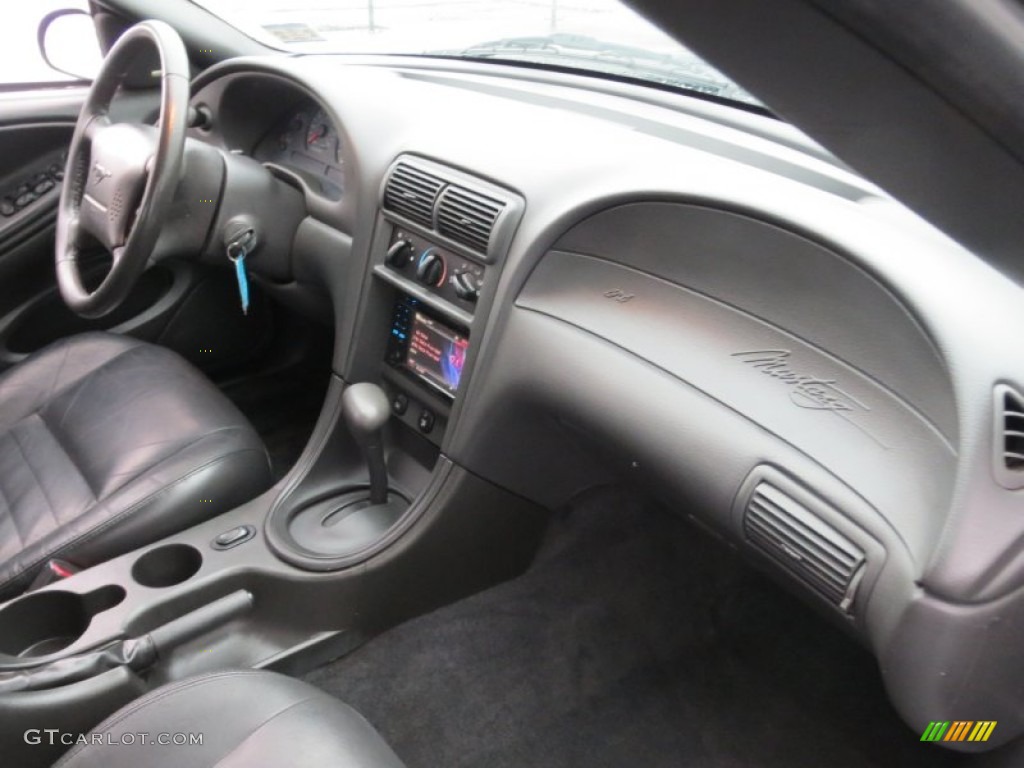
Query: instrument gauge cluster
{"type": "Point", "coordinates": [307, 142]}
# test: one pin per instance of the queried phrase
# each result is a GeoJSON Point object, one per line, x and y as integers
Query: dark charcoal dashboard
{"type": "Point", "coordinates": [557, 285]}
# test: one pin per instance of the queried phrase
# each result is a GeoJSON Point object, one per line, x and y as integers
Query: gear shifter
{"type": "Point", "coordinates": [366, 409]}
{"type": "Point", "coordinates": [336, 529]}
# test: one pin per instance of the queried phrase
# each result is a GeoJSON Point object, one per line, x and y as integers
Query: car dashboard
{"type": "Point", "coordinates": [560, 282]}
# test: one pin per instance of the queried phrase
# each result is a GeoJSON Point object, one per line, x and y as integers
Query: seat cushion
{"type": "Point", "coordinates": [246, 719]}
{"type": "Point", "coordinates": [108, 443]}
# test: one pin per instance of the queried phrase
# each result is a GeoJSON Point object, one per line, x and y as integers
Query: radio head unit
{"type": "Point", "coordinates": [426, 348]}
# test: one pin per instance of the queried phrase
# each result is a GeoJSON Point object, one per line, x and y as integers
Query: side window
{"type": "Point", "coordinates": [21, 62]}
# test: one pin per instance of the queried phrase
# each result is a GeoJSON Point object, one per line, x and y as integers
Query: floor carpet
{"type": "Point", "coordinates": [633, 640]}
{"type": "Point", "coordinates": [283, 407]}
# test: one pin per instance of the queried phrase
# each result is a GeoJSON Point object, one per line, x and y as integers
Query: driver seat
{"type": "Point", "coordinates": [107, 444]}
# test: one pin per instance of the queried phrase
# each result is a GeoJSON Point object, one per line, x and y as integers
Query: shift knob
{"type": "Point", "coordinates": [366, 409]}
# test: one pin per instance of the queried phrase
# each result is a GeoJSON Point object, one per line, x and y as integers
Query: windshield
{"type": "Point", "coordinates": [599, 36]}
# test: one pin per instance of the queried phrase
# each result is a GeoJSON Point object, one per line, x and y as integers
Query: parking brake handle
{"type": "Point", "coordinates": [137, 653]}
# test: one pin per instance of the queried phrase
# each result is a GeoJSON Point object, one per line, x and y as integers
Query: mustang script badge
{"type": "Point", "coordinates": [807, 391]}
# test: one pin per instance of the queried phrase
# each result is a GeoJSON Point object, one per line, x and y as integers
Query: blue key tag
{"type": "Point", "coordinates": [237, 254]}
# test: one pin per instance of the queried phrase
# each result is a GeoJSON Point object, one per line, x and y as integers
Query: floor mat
{"type": "Point", "coordinates": [633, 640]}
{"type": "Point", "coordinates": [283, 407]}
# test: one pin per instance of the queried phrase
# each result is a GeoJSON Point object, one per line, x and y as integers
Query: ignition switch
{"type": "Point", "coordinates": [241, 234]}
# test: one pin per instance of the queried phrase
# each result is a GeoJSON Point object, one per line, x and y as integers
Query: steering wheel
{"type": "Point", "coordinates": [121, 177]}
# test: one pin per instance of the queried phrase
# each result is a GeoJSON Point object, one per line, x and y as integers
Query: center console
{"type": "Point", "coordinates": [442, 236]}
{"type": "Point", "coordinates": [440, 239]}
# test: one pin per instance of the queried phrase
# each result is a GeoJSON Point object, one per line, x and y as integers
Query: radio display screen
{"type": "Point", "coordinates": [436, 353]}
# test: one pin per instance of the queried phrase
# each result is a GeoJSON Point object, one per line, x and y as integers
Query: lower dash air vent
{"type": "Point", "coordinates": [797, 538]}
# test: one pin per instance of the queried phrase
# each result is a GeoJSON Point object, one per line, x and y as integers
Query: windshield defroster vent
{"type": "Point", "coordinates": [412, 192]}
{"type": "Point", "coordinates": [803, 543]}
{"type": "Point", "coordinates": [1009, 437]}
{"type": "Point", "coordinates": [468, 217]}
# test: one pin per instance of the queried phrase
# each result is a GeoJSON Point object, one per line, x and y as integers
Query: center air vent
{"type": "Point", "coordinates": [802, 542]}
{"type": "Point", "coordinates": [468, 217]}
{"type": "Point", "coordinates": [459, 211]}
{"type": "Point", "coordinates": [1009, 437]}
{"type": "Point", "coordinates": [412, 192]}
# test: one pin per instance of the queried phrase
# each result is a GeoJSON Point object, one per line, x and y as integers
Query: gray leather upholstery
{"type": "Point", "coordinates": [246, 719]}
{"type": "Point", "coordinates": [108, 443]}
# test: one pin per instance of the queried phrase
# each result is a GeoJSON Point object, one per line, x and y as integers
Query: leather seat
{"type": "Point", "coordinates": [108, 443]}
{"type": "Point", "coordinates": [246, 719]}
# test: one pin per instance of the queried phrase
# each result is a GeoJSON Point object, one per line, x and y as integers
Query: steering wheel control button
{"type": "Point", "coordinates": [426, 421]}
{"type": "Point", "coordinates": [400, 404]}
{"type": "Point", "coordinates": [7, 207]}
{"type": "Point", "coordinates": [233, 537]}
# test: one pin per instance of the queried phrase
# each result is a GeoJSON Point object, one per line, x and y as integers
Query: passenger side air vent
{"type": "Point", "coordinates": [1009, 437]}
{"type": "Point", "coordinates": [412, 192]}
{"type": "Point", "coordinates": [802, 542]}
{"type": "Point", "coordinates": [468, 217]}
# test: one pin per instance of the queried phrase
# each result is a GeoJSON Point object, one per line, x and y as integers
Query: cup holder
{"type": "Point", "coordinates": [42, 623]}
{"type": "Point", "coordinates": [167, 565]}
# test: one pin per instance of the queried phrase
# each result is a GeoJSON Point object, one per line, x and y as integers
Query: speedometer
{"type": "Point", "coordinates": [320, 137]}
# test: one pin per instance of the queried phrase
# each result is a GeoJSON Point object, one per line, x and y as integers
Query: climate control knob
{"type": "Point", "coordinates": [431, 268]}
{"type": "Point", "coordinates": [466, 285]}
{"type": "Point", "coordinates": [399, 254]}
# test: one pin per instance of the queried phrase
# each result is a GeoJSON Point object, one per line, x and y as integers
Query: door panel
{"type": "Point", "coordinates": [35, 129]}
